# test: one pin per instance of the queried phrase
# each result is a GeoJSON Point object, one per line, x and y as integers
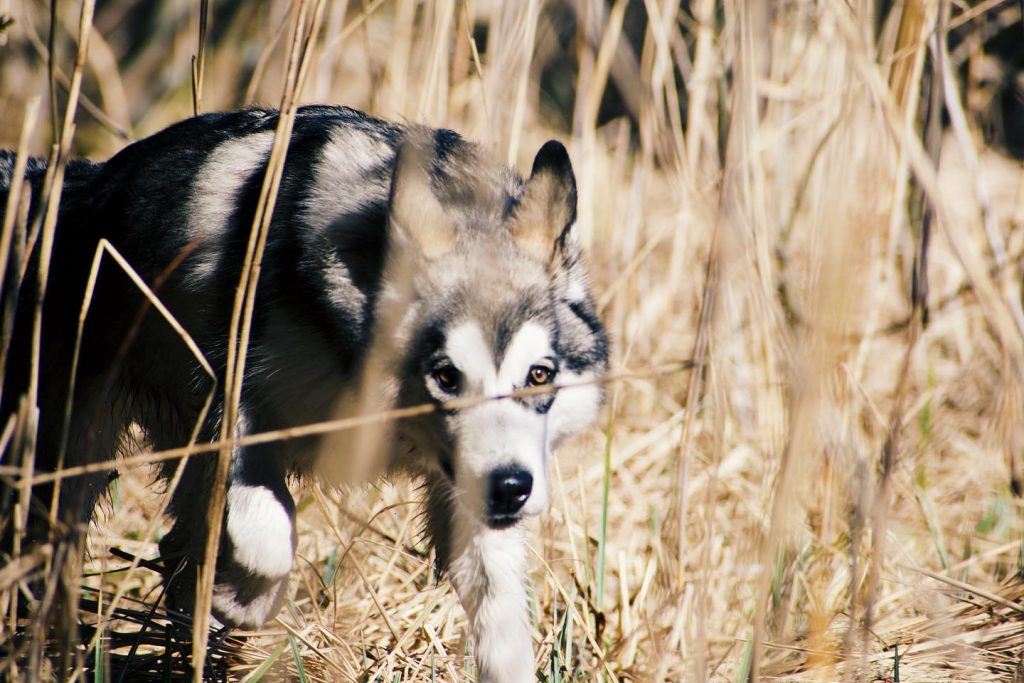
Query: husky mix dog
{"type": "Point", "coordinates": [401, 264]}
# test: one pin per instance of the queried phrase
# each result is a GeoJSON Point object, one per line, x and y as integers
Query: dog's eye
{"type": "Point", "coordinates": [448, 378]}
{"type": "Point", "coordinates": [540, 375]}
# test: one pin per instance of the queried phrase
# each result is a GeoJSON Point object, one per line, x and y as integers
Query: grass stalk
{"type": "Point", "coordinates": [241, 320]}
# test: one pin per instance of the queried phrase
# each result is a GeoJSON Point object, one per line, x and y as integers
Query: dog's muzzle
{"type": "Point", "coordinates": [508, 489]}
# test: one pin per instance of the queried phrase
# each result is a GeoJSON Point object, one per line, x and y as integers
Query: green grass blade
{"type": "Point", "coordinates": [298, 660]}
{"type": "Point", "coordinates": [263, 668]}
{"type": "Point", "coordinates": [605, 486]}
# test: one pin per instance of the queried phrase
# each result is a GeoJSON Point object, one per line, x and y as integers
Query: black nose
{"type": "Point", "coordinates": [509, 489]}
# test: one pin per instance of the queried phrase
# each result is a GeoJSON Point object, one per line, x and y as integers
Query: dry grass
{"type": "Point", "coordinates": [828, 498]}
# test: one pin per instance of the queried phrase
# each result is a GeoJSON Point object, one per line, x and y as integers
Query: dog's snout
{"type": "Point", "coordinates": [509, 489]}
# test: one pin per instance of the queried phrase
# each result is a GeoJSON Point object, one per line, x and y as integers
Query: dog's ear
{"type": "Point", "coordinates": [416, 216]}
{"type": "Point", "coordinates": [546, 212]}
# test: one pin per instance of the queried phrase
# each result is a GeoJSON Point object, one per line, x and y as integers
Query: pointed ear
{"type": "Point", "coordinates": [547, 209]}
{"type": "Point", "coordinates": [416, 216]}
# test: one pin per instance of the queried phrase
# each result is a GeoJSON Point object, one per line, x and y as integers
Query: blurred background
{"type": "Point", "coordinates": [820, 203]}
{"type": "Point", "coordinates": [372, 54]}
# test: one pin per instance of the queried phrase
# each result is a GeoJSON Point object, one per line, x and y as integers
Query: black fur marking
{"type": "Point", "coordinates": [428, 342]}
{"type": "Point", "coordinates": [446, 143]}
{"type": "Point", "coordinates": [586, 313]}
{"type": "Point", "coordinates": [580, 359]}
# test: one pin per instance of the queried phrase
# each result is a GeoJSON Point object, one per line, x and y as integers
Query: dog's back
{"type": "Point", "coordinates": [179, 206]}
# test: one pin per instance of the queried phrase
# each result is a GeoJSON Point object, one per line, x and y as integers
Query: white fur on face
{"type": "Point", "coordinates": [579, 400]}
{"type": "Point", "coordinates": [530, 345]}
{"type": "Point", "coordinates": [502, 433]}
{"type": "Point", "coordinates": [472, 355]}
{"type": "Point", "coordinates": [261, 530]}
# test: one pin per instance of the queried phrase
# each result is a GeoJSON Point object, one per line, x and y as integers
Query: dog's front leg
{"type": "Point", "coordinates": [257, 540]}
{"type": "Point", "coordinates": [487, 567]}
{"type": "Point", "coordinates": [258, 545]}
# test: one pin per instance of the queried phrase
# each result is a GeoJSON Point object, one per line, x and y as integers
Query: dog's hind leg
{"type": "Point", "coordinates": [257, 541]}
{"type": "Point", "coordinates": [487, 567]}
{"type": "Point", "coordinates": [92, 439]}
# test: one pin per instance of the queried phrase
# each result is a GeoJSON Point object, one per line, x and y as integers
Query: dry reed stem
{"type": "Point", "coordinates": [241, 319]}
{"type": "Point", "coordinates": [433, 107]}
{"type": "Point", "coordinates": [16, 207]}
{"type": "Point", "coordinates": [904, 82]}
{"type": "Point", "coordinates": [698, 130]}
{"type": "Point", "coordinates": [17, 183]}
{"type": "Point", "coordinates": [93, 109]}
{"type": "Point", "coordinates": [997, 311]}
{"type": "Point", "coordinates": [199, 61]}
{"type": "Point", "coordinates": [328, 426]}
{"type": "Point", "coordinates": [51, 197]}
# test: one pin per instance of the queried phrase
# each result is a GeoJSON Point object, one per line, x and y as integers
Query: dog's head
{"type": "Point", "coordinates": [503, 334]}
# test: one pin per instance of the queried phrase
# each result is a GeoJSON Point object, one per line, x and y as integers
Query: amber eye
{"type": "Point", "coordinates": [540, 375]}
{"type": "Point", "coordinates": [448, 378]}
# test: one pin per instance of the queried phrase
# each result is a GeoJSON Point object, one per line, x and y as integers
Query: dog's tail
{"type": "Point", "coordinates": [77, 175]}
{"type": "Point", "coordinates": [7, 158]}
{"type": "Point", "coordinates": [6, 168]}
{"type": "Point", "coordinates": [34, 169]}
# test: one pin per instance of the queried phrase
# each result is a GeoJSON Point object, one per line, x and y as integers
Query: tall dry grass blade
{"type": "Point", "coordinates": [996, 244]}
{"type": "Point", "coordinates": [51, 68]}
{"type": "Point", "coordinates": [199, 60]}
{"type": "Point", "coordinates": [259, 70]}
{"type": "Point", "coordinates": [237, 348]}
{"type": "Point", "coordinates": [300, 56]}
{"type": "Point", "coordinates": [67, 555]}
{"type": "Point", "coordinates": [700, 131]}
{"type": "Point", "coordinates": [328, 426]}
{"type": "Point", "coordinates": [904, 82]}
{"type": "Point", "coordinates": [674, 564]}
{"type": "Point", "coordinates": [511, 47]}
{"type": "Point", "coordinates": [17, 206]}
{"type": "Point", "coordinates": [904, 71]}
{"type": "Point", "coordinates": [24, 441]}
{"type": "Point", "coordinates": [433, 106]}
{"type": "Point", "coordinates": [1004, 323]}
{"type": "Point", "coordinates": [744, 218]}
{"type": "Point", "coordinates": [94, 110]}
{"type": "Point", "coordinates": [667, 127]}
{"type": "Point", "coordinates": [16, 422]}
{"type": "Point", "coordinates": [12, 288]}
{"type": "Point", "coordinates": [15, 189]}
{"type": "Point", "coordinates": [933, 144]}
{"type": "Point", "coordinates": [399, 58]}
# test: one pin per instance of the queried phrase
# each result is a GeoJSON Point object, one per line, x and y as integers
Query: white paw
{"type": "Point", "coordinates": [261, 531]}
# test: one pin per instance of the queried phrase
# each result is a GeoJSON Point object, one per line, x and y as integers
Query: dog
{"type": "Point", "coordinates": [403, 267]}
